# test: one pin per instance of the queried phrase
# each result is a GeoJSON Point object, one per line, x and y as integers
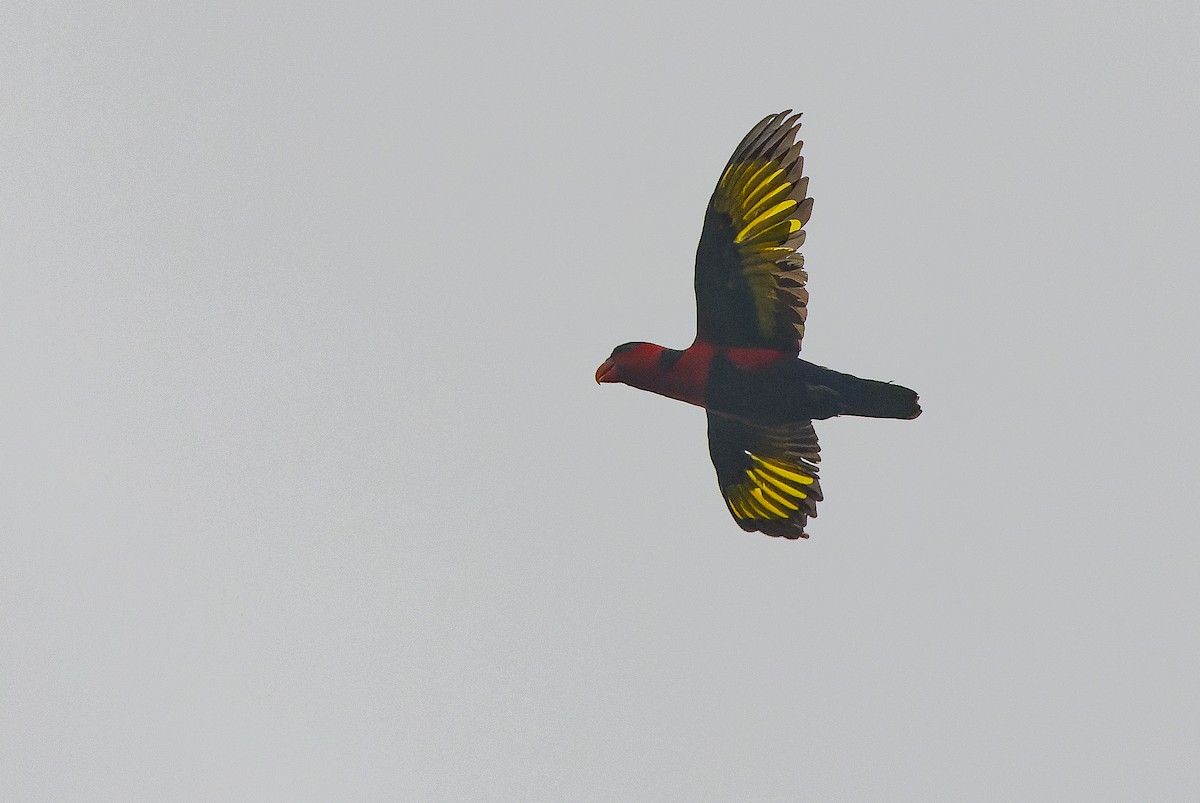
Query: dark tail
{"type": "Point", "coordinates": [872, 399]}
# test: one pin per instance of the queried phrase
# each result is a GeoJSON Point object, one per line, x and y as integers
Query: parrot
{"type": "Point", "coordinates": [744, 366]}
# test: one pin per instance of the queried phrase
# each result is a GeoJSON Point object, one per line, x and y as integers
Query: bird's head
{"type": "Point", "coordinates": [630, 363]}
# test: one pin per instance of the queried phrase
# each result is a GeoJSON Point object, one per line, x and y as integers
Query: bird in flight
{"type": "Point", "coordinates": [743, 367]}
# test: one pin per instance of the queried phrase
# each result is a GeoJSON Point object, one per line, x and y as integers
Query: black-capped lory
{"type": "Point", "coordinates": [743, 367]}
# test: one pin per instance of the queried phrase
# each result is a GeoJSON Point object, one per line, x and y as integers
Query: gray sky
{"type": "Point", "coordinates": [309, 493]}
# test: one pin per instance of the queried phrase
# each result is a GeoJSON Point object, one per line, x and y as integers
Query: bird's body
{"type": "Point", "coordinates": [762, 386]}
{"type": "Point", "coordinates": [743, 366]}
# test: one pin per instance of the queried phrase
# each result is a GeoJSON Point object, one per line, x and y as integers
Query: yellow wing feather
{"type": "Point", "coordinates": [763, 195]}
{"type": "Point", "coordinates": [765, 492]}
{"type": "Point", "coordinates": [767, 474]}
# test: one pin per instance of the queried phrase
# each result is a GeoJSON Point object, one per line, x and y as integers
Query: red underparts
{"type": "Point", "coordinates": [687, 379]}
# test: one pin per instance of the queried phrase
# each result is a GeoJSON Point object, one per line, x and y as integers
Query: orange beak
{"type": "Point", "coordinates": [607, 372]}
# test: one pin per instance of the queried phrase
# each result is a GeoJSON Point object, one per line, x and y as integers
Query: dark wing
{"type": "Point", "coordinates": [749, 276]}
{"type": "Point", "coordinates": [768, 475]}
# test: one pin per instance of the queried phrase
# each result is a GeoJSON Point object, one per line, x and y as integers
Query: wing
{"type": "Point", "coordinates": [749, 276]}
{"type": "Point", "coordinates": [768, 475]}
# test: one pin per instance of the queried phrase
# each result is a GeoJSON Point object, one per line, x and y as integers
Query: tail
{"type": "Point", "coordinates": [871, 399]}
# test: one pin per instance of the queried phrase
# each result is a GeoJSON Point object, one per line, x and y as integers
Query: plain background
{"type": "Point", "coordinates": [307, 491]}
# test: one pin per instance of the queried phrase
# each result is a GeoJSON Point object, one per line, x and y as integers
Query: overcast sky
{"type": "Point", "coordinates": [308, 492]}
